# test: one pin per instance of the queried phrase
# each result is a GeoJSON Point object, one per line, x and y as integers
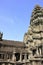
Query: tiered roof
{"type": "Point", "coordinates": [35, 30]}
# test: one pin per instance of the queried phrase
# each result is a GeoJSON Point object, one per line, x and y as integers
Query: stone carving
{"type": "Point", "coordinates": [35, 35]}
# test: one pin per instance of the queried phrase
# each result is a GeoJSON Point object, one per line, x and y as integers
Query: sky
{"type": "Point", "coordinates": [15, 17]}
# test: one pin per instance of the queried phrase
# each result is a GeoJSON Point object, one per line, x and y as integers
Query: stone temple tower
{"type": "Point", "coordinates": [33, 39]}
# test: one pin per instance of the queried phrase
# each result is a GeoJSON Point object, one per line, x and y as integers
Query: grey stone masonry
{"type": "Point", "coordinates": [33, 39]}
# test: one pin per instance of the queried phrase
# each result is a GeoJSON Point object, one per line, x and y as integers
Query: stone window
{"type": "Point", "coordinates": [17, 56]}
{"type": "Point", "coordinates": [42, 63]}
{"type": "Point", "coordinates": [34, 52]}
{"type": "Point", "coordinates": [26, 42]}
{"type": "Point", "coordinates": [0, 56]}
{"type": "Point", "coordinates": [22, 57]}
{"type": "Point", "coordinates": [27, 55]}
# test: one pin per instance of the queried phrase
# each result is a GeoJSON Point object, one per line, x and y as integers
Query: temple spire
{"type": "Point", "coordinates": [36, 14]}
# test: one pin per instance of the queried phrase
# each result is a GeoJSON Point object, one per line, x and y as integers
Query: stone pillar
{"type": "Point", "coordinates": [3, 63]}
{"type": "Point", "coordinates": [8, 57]}
{"type": "Point", "coordinates": [25, 56]}
{"type": "Point", "coordinates": [40, 50]}
{"type": "Point", "coordinates": [5, 56]}
{"type": "Point", "coordinates": [13, 57]}
{"type": "Point", "coordinates": [1, 56]}
{"type": "Point", "coordinates": [37, 52]}
{"type": "Point", "coordinates": [30, 55]}
{"type": "Point", "coordinates": [9, 64]}
{"type": "Point", "coordinates": [20, 56]}
{"type": "Point", "coordinates": [34, 63]}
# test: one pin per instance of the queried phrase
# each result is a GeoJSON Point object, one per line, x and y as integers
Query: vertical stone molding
{"type": "Point", "coordinates": [13, 57]}
{"type": "Point", "coordinates": [3, 63]}
{"type": "Point", "coordinates": [20, 56]}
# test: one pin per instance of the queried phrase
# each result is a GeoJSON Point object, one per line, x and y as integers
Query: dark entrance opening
{"type": "Point", "coordinates": [17, 56]}
{"type": "Point", "coordinates": [27, 55]}
{"type": "Point", "coordinates": [42, 63]}
{"type": "Point", "coordinates": [22, 57]}
{"type": "Point", "coordinates": [34, 52]}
